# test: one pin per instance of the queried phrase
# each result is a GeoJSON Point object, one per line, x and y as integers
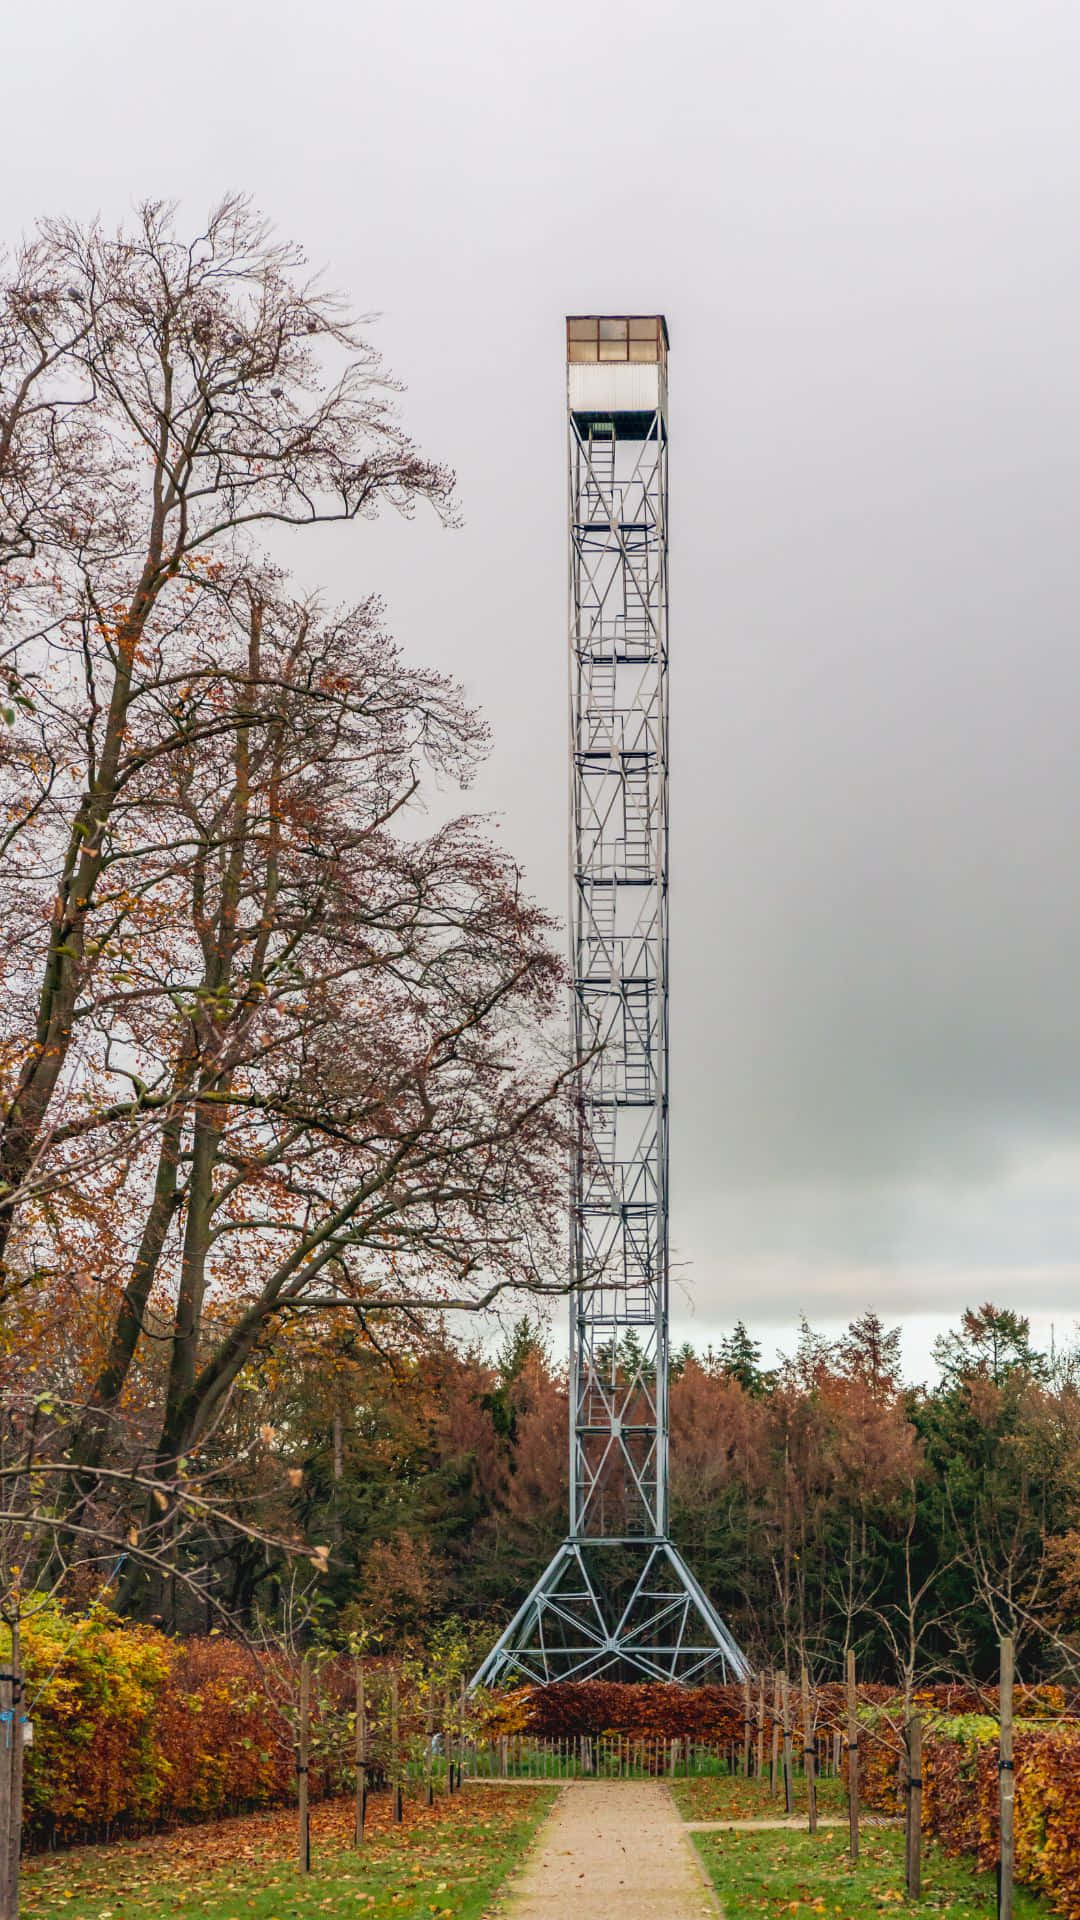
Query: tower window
{"type": "Point", "coordinates": [621, 337]}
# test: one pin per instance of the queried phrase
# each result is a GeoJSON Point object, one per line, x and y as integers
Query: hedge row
{"type": "Point", "coordinates": [133, 1730]}
{"type": "Point", "coordinates": [565, 1710]}
{"type": "Point", "coordinates": [960, 1796]}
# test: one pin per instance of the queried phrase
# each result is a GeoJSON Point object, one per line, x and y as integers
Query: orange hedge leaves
{"type": "Point", "coordinates": [960, 1796]}
{"type": "Point", "coordinates": [134, 1730]}
{"type": "Point", "coordinates": [226, 1747]}
{"type": "Point", "coordinates": [566, 1709]}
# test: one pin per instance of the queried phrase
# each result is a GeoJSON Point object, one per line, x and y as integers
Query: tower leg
{"type": "Point", "coordinates": [626, 1610]}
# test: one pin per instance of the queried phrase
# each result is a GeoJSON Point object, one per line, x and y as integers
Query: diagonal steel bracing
{"type": "Point", "coordinates": [618, 1599]}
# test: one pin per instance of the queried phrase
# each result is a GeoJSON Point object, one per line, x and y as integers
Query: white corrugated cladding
{"type": "Point", "coordinates": [614, 387]}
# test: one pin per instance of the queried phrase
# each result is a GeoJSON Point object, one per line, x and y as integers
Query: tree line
{"type": "Point", "coordinates": [824, 1503]}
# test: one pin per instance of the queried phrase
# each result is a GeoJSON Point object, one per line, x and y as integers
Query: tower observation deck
{"type": "Point", "coordinates": [618, 1600]}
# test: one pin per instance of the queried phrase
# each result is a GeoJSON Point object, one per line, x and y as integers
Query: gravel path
{"type": "Point", "coordinates": [612, 1850]}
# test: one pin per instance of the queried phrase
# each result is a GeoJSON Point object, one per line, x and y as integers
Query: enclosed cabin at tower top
{"type": "Point", "coordinates": [617, 372]}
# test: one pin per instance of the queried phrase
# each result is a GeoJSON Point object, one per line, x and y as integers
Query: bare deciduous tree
{"type": "Point", "coordinates": [161, 398]}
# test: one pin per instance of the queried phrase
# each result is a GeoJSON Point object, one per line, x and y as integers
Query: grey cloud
{"type": "Point", "coordinates": [861, 223]}
{"type": "Point", "coordinates": [768, 1295]}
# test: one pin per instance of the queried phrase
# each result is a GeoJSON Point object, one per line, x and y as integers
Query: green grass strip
{"type": "Point", "coordinates": [449, 1869]}
{"type": "Point", "coordinates": [797, 1873]}
{"type": "Point", "coordinates": [731, 1797]}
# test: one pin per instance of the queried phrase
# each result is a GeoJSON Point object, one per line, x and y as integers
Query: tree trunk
{"type": "Point", "coordinates": [176, 1425]}
{"type": "Point", "coordinates": [40, 1075]}
{"type": "Point", "coordinates": [90, 1440]}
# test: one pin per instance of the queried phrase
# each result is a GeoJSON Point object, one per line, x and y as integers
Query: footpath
{"type": "Point", "coordinates": [611, 1850]}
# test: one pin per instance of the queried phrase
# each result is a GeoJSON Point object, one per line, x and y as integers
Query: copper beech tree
{"type": "Point", "coordinates": [272, 1046]}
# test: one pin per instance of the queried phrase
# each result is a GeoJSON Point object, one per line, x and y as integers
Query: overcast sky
{"type": "Point", "coordinates": [861, 221]}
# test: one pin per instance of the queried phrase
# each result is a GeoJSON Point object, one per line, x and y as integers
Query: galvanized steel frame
{"type": "Point", "coordinates": [573, 1624]}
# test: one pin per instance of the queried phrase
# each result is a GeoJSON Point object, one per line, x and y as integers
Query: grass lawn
{"type": "Point", "coordinates": [788, 1873]}
{"type": "Point", "coordinates": [730, 1797]}
{"type": "Point", "coordinates": [451, 1861]}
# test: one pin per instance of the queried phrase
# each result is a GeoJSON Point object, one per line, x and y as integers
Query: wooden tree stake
{"type": "Point", "coordinates": [303, 1810]}
{"type": "Point", "coordinates": [852, 1757]}
{"type": "Point", "coordinates": [11, 1761]}
{"type": "Point", "coordinates": [785, 1700]}
{"type": "Point", "coordinates": [774, 1766]}
{"type": "Point", "coordinates": [361, 1756]}
{"type": "Point", "coordinates": [7, 1721]}
{"type": "Point", "coordinates": [913, 1850]}
{"type": "Point", "coordinates": [462, 1706]}
{"type": "Point", "coordinates": [809, 1753]}
{"type": "Point", "coordinates": [746, 1727]}
{"type": "Point", "coordinates": [395, 1744]}
{"type": "Point", "coordinates": [1006, 1782]}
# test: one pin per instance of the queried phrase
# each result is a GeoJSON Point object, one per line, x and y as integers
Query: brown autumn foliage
{"type": "Point", "coordinates": [593, 1707]}
{"type": "Point", "coordinates": [135, 1731]}
{"type": "Point", "coordinates": [183, 1867]}
{"type": "Point", "coordinates": [563, 1710]}
{"type": "Point", "coordinates": [960, 1792]}
{"type": "Point", "coordinates": [272, 1048]}
{"type": "Point", "coordinates": [163, 396]}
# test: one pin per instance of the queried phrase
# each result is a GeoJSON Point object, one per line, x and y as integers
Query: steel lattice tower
{"type": "Point", "coordinates": [618, 1599]}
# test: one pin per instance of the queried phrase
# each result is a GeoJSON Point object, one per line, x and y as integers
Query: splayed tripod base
{"type": "Point", "coordinates": [626, 1610]}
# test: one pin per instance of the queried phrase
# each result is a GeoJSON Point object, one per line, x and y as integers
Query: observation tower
{"type": "Point", "coordinates": [618, 1600]}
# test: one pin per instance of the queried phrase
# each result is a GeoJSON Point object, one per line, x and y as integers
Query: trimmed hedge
{"type": "Point", "coordinates": [133, 1730]}
{"type": "Point", "coordinates": [566, 1709]}
{"type": "Point", "coordinates": [960, 1795]}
